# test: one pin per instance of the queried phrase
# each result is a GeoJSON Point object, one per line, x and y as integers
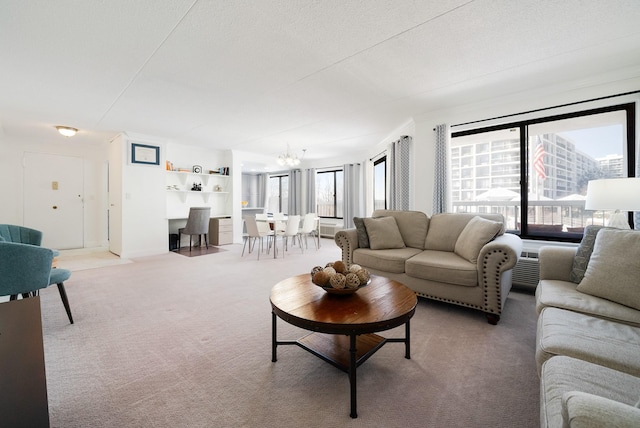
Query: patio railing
{"type": "Point", "coordinates": [555, 216]}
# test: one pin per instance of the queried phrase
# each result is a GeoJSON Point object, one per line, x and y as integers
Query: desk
{"type": "Point", "coordinates": [343, 326]}
{"type": "Point", "coordinates": [23, 385]}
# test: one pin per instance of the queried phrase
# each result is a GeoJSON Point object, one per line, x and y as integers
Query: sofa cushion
{"type": "Point", "coordinates": [413, 225]}
{"type": "Point", "coordinates": [392, 261]}
{"type": "Point", "coordinates": [614, 267]}
{"type": "Point", "coordinates": [361, 230]}
{"type": "Point", "coordinates": [444, 229]}
{"type": "Point", "coordinates": [565, 374]}
{"type": "Point", "coordinates": [582, 410]}
{"type": "Point", "coordinates": [564, 294]}
{"type": "Point", "coordinates": [383, 233]}
{"type": "Point", "coordinates": [583, 253]}
{"type": "Point", "coordinates": [475, 235]}
{"type": "Point", "coordinates": [604, 342]}
{"type": "Point", "coordinates": [442, 266]}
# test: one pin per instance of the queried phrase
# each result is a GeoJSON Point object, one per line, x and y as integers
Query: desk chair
{"type": "Point", "coordinates": [26, 268]}
{"type": "Point", "coordinates": [197, 224]}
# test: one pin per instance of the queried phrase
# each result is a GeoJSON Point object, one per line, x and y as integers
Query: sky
{"type": "Point", "coordinates": [597, 142]}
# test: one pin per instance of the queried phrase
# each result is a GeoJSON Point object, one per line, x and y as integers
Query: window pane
{"type": "Point", "coordinates": [273, 204]}
{"type": "Point", "coordinates": [486, 173]}
{"type": "Point", "coordinates": [339, 189]}
{"type": "Point", "coordinates": [325, 194]}
{"type": "Point", "coordinates": [573, 152]}
{"type": "Point", "coordinates": [379, 184]}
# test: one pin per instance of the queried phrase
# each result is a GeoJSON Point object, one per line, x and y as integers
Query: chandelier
{"type": "Point", "coordinates": [290, 159]}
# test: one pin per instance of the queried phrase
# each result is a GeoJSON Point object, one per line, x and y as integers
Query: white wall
{"type": "Point", "coordinates": [94, 156]}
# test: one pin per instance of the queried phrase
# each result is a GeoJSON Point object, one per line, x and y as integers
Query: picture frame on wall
{"type": "Point", "coordinates": [145, 154]}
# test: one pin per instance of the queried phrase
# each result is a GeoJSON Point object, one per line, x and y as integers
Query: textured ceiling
{"type": "Point", "coordinates": [328, 76]}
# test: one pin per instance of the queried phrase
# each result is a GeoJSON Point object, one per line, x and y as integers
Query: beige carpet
{"type": "Point", "coordinates": [173, 341]}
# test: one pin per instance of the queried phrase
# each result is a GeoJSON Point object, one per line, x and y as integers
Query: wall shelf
{"type": "Point", "coordinates": [180, 197]}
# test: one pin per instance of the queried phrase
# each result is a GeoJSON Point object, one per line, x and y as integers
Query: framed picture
{"type": "Point", "coordinates": [145, 154]}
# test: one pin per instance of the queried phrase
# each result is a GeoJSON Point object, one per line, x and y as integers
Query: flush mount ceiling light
{"type": "Point", "coordinates": [67, 131]}
{"type": "Point", "coordinates": [290, 159]}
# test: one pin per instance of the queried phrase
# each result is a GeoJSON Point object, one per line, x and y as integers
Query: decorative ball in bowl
{"type": "Point", "coordinates": [338, 278]}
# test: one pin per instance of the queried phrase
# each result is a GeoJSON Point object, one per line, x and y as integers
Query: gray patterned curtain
{"type": "Point", "coordinates": [353, 204]}
{"type": "Point", "coordinates": [310, 201]}
{"type": "Point", "coordinates": [295, 192]}
{"type": "Point", "coordinates": [399, 173]}
{"type": "Point", "coordinates": [441, 182]}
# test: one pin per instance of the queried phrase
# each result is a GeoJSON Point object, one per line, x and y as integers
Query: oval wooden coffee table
{"type": "Point", "coordinates": [343, 326]}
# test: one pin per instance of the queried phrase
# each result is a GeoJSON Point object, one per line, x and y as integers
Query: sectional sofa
{"type": "Point", "coordinates": [588, 333]}
{"type": "Point", "coordinates": [464, 259]}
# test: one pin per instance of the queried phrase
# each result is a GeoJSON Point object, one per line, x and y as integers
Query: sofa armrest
{"type": "Point", "coordinates": [556, 262]}
{"type": "Point", "coordinates": [347, 240]}
{"type": "Point", "coordinates": [582, 410]}
{"type": "Point", "coordinates": [506, 247]}
{"type": "Point", "coordinates": [495, 259]}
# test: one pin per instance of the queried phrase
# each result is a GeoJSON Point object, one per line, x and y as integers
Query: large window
{"type": "Point", "coordinates": [329, 193]}
{"type": "Point", "coordinates": [278, 194]}
{"type": "Point", "coordinates": [380, 184]}
{"type": "Point", "coordinates": [536, 172]}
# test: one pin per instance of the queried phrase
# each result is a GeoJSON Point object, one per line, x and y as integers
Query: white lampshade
{"type": "Point", "coordinates": [614, 194]}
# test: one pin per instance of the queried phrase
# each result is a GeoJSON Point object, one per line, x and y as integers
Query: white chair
{"type": "Point", "coordinates": [253, 233]}
{"type": "Point", "coordinates": [292, 229]}
{"type": "Point", "coordinates": [279, 219]}
{"type": "Point", "coordinates": [264, 227]}
{"type": "Point", "coordinates": [309, 227]}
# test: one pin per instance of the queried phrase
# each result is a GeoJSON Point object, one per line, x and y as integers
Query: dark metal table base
{"type": "Point", "coordinates": [346, 352]}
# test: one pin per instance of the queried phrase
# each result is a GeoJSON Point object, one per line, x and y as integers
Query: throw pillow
{"type": "Point", "coordinates": [383, 233]}
{"type": "Point", "coordinates": [474, 236]}
{"type": "Point", "coordinates": [583, 254]}
{"type": "Point", "coordinates": [361, 230]}
{"type": "Point", "coordinates": [614, 267]}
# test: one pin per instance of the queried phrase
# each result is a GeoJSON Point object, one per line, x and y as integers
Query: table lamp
{"type": "Point", "coordinates": [618, 194]}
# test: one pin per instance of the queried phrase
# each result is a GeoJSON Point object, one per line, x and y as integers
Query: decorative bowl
{"type": "Point", "coordinates": [332, 290]}
{"type": "Point", "coordinates": [338, 278]}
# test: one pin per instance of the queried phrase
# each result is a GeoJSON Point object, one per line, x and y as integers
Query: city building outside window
{"type": "Point", "coordinates": [536, 172]}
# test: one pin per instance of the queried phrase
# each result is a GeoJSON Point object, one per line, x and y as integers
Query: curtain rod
{"type": "Point", "coordinates": [373, 157]}
{"type": "Point", "coordinates": [546, 108]}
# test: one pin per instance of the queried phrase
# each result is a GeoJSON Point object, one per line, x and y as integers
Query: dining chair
{"type": "Point", "coordinates": [265, 227]}
{"type": "Point", "coordinates": [26, 268]}
{"type": "Point", "coordinates": [279, 219]}
{"type": "Point", "coordinates": [292, 229]}
{"type": "Point", "coordinates": [197, 224]}
{"type": "Point", "coordinates": [253, 234]}
{"type": "Point", "coordinates": [309, 228]}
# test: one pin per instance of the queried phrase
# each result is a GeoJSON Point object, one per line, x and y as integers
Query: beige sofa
{"type": "Point", "coordinates": [588, 334]}
{"type": "Point", "coordinates": [464, 259]}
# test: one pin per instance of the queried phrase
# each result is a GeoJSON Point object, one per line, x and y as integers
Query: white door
{"type": "Point", "coordinates": [53, 199]}
{"type": "Point", "coordinates": [115, 196]}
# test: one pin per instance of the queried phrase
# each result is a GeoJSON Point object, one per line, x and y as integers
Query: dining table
{"type": "Point", "coordinates": [272, 224]}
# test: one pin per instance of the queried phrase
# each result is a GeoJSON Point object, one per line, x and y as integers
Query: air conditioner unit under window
{"type": "Point", "coordinates": [527, 271]}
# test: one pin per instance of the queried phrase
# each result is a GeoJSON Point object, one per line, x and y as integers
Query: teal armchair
{"type": "Point", "coordinates": [26, 268]}
{"type": "Point", "coordinates": [21, 234]}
